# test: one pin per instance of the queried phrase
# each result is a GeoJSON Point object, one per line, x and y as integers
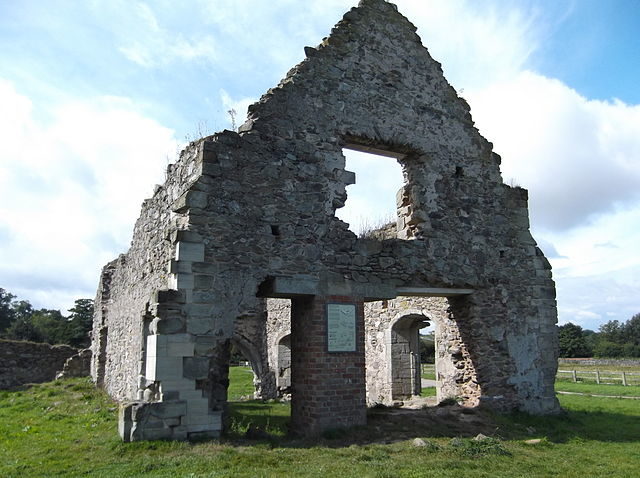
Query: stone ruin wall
{"type": "Point", "coordinates": [28, 362]}
{"type": "Point", "coordinates": [251, 215]}
{"type": "Point", "coordinates": [454, 367]}
{"type": "Point", "coordinates": [129, 287]}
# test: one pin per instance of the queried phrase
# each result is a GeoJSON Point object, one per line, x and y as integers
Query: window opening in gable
{"type": "Point", "coordinates": [370, 209]}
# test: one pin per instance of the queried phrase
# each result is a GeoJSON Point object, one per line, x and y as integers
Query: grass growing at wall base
{"type": "Point", "coordinates": [68, 428]}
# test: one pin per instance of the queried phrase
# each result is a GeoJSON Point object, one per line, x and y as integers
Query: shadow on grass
{"type": "Point", "coordinates": [258, 422]}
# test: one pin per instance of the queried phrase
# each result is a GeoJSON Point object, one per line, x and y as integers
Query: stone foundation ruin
{"type": "Point", "coordinates": [248, 216]}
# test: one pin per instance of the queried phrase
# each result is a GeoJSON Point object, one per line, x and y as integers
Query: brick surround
{"type": "Point", "coordinates": [328, 387]}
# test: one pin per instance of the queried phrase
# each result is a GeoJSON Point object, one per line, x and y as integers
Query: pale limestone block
{"type": "Point", "coordinates": [207, 427]}
{"type": "Point", "coordinates": [183, 281]}
{"type": "Point", "coordinates": [190, 251]}
{"type": "Point", "coordinates": [190, 394]}
{"type": "Point", "coordinates": [180, 345]}
{"type": "Point", "coordinates": [164, 368]}
{"type": "Point", "coordinates": [197, 406]}
{"type": "Point", "coordinates": [156, 345]}
{"type": "Point", "coordinates": [177, 385]}
{"type": "Point", "coordinates": [150, 369]}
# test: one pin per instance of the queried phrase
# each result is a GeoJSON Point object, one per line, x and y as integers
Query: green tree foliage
{"type": "Point", "coordinates": [632, 330]}
{"type": "Point", "coordinates": [427, 348]}
{"type": "Point", "coordinates": [612, 331]}
{"type": "Point", "coordinates": [7, 315]}
{"type": "Point", "coordinates": [619, 339]}
{"type": "Point", "coordinates": [80, 323]}
{"type": "Point", "coordinates": [572, 341]}
{"type": "Point", "coordinates": [20, 321]}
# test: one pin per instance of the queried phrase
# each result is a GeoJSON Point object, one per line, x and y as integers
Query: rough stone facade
{"type": "Point", "coordinates": [251, 215]}
{"type": "Point", "coordinates": [392, 329]}
{"type": "Point", "coordinates": [29, 362]}
{"type": "Point", "coordinates": [78, 365]}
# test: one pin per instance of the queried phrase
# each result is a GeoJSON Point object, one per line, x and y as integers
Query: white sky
{"type": "Point", "coordinates": [95, 98]}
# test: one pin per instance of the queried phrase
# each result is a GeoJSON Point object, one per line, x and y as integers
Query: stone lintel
{"type": "Point", "coordinates": [287, 287]}
{"type": "Point", "coordinates": [291, 287]}
{"type": "Point", "coordinates": [433, 291]}
{"type": "Point", "coordinates": [374, 150]}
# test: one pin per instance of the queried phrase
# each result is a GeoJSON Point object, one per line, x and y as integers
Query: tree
{"type": "Point", "coordinates": [7, 315]}
{"type": "Point", "coordinates": [607, 349]}
{"type": "Point", "coordinates": [22, 309]}
{"type": "Point", "coordinates": [19, 321]}
{"type": "Point", "coordinates": [23, 329]}
{"type": "Point", "coordinates": [43, 325]}
{"type": "Point", "coordinates": [572, 341]}
{"type": "Point", "coordinates": [427, 348]}
{"type": "Point", "coordinates": [631, 330]}
{"type": "Point", "coordinates": [80, 323]}
{"type": "Point", "coordinates": [51, 325]}
{"type": "Point", "coordinates": [612, 331]}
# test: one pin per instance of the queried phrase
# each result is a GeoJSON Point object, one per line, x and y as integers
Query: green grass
{"type": "Point", "coordinates": [609, 374]}
{"type": "Point", "coordinates": [240, 384]}
{"type": "Point", "coordinates": [428, 392]}
{"type": "Point", "coordinates": [428, 371]}
{"type": "Point", "coordinates": [614, 367]}
{"type": "Point", "coordinates": [594, 389]}
{"type": "Point", "coordinates": [67, 428]}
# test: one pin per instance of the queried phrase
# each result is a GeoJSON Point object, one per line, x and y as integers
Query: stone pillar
{"type": "Point", "coordinates": [328, 373]}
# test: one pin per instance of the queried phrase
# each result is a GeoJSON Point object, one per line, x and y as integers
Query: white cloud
{"type": "Point", "coordinates": [70, 190]}
{"type": "Point", "coordinates": [238, 106]}
{"type": "Point", "coordinates": [269, 36]}
{"type": "Point", "coordinates": [371, 201]}
{"type": "Point", "coordinates": [71, 186]}
{"type": "Point", "coordinates": [477, 43]}
{"type": "Point", "coordinates": [145, 41]}
{"type": "Point", "coordinates": [577, 157]}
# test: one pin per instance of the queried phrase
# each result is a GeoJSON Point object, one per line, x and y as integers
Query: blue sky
{"type": "Point", "coordinates": [96, 98]}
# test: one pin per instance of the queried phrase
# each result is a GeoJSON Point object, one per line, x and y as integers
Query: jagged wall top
{"type": "Point", "coordinates": [360, 57]}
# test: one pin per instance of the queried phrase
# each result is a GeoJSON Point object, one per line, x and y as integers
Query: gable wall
{"type": "Point", "coordinates": [238, 209]}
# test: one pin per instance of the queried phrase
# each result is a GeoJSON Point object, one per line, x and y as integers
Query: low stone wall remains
{"type": "Point", "coordinates": [29, 362]}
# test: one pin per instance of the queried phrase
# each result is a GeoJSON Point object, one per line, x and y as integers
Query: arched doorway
{"type": "Point", "coordinates": [404, 350]}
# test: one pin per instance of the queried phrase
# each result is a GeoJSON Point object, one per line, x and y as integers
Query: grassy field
{"type": "Point", "coordinates": [594, 389]}
{"type": "Point", "coordinates": [68, 428]}
{"type": "Point", "coordinates": [617, 367]}
{"type": "Point", "coordinates": [609, 374]}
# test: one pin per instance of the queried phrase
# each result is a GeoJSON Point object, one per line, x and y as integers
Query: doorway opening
{"type": "Point", "coordinates": [406, 367]}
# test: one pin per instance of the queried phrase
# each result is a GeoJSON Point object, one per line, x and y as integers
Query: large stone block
{"type": "Point", "coordinates": [164, 368]}
{"type": "Point", "coordinates": [189, 251]}
{"type": "Point", "coordinates": [196, 367]}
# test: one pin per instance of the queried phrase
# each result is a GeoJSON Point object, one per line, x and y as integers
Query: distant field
{"type": "Point", "coordinates": [616, 367]}
{"type": "Point", "coordinates": [605, 374]}
{"type": "Point", "coordinates": [608, 374]}
{"type": "Point", "coordinates": [594, 389]}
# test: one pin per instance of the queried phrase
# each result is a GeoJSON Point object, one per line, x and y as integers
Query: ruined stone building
{"type": "Point", "coordinates": [249, 216]}
{"type": "Point", "coordinates": [392, 350]}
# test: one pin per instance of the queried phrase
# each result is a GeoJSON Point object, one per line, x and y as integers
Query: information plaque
{"type": "Point", "coordinates": [341, 328]}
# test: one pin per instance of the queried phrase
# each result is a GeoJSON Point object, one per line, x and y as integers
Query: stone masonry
{"type": "Point", "coordinates": [250, 215]}
{"type": "Point", "coordinates": [28, 362]}
{"type": "Point", "coordinates": [392, 350]}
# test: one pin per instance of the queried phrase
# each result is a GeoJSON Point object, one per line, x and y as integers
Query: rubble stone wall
{"type": "Point", "coordinates": [29, 362]}
{"type": "Point", "coordinates": [251, 215]}
{"type": "Point", "coordinates": [455, 371]}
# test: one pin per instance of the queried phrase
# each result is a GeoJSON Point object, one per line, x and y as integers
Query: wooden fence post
{"type": "Point", "coordinates": [598, 377]}
{"type": "Point", "coordinates": [575, 375]}
{"type": "Point", "coordinates": [624, 379]}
